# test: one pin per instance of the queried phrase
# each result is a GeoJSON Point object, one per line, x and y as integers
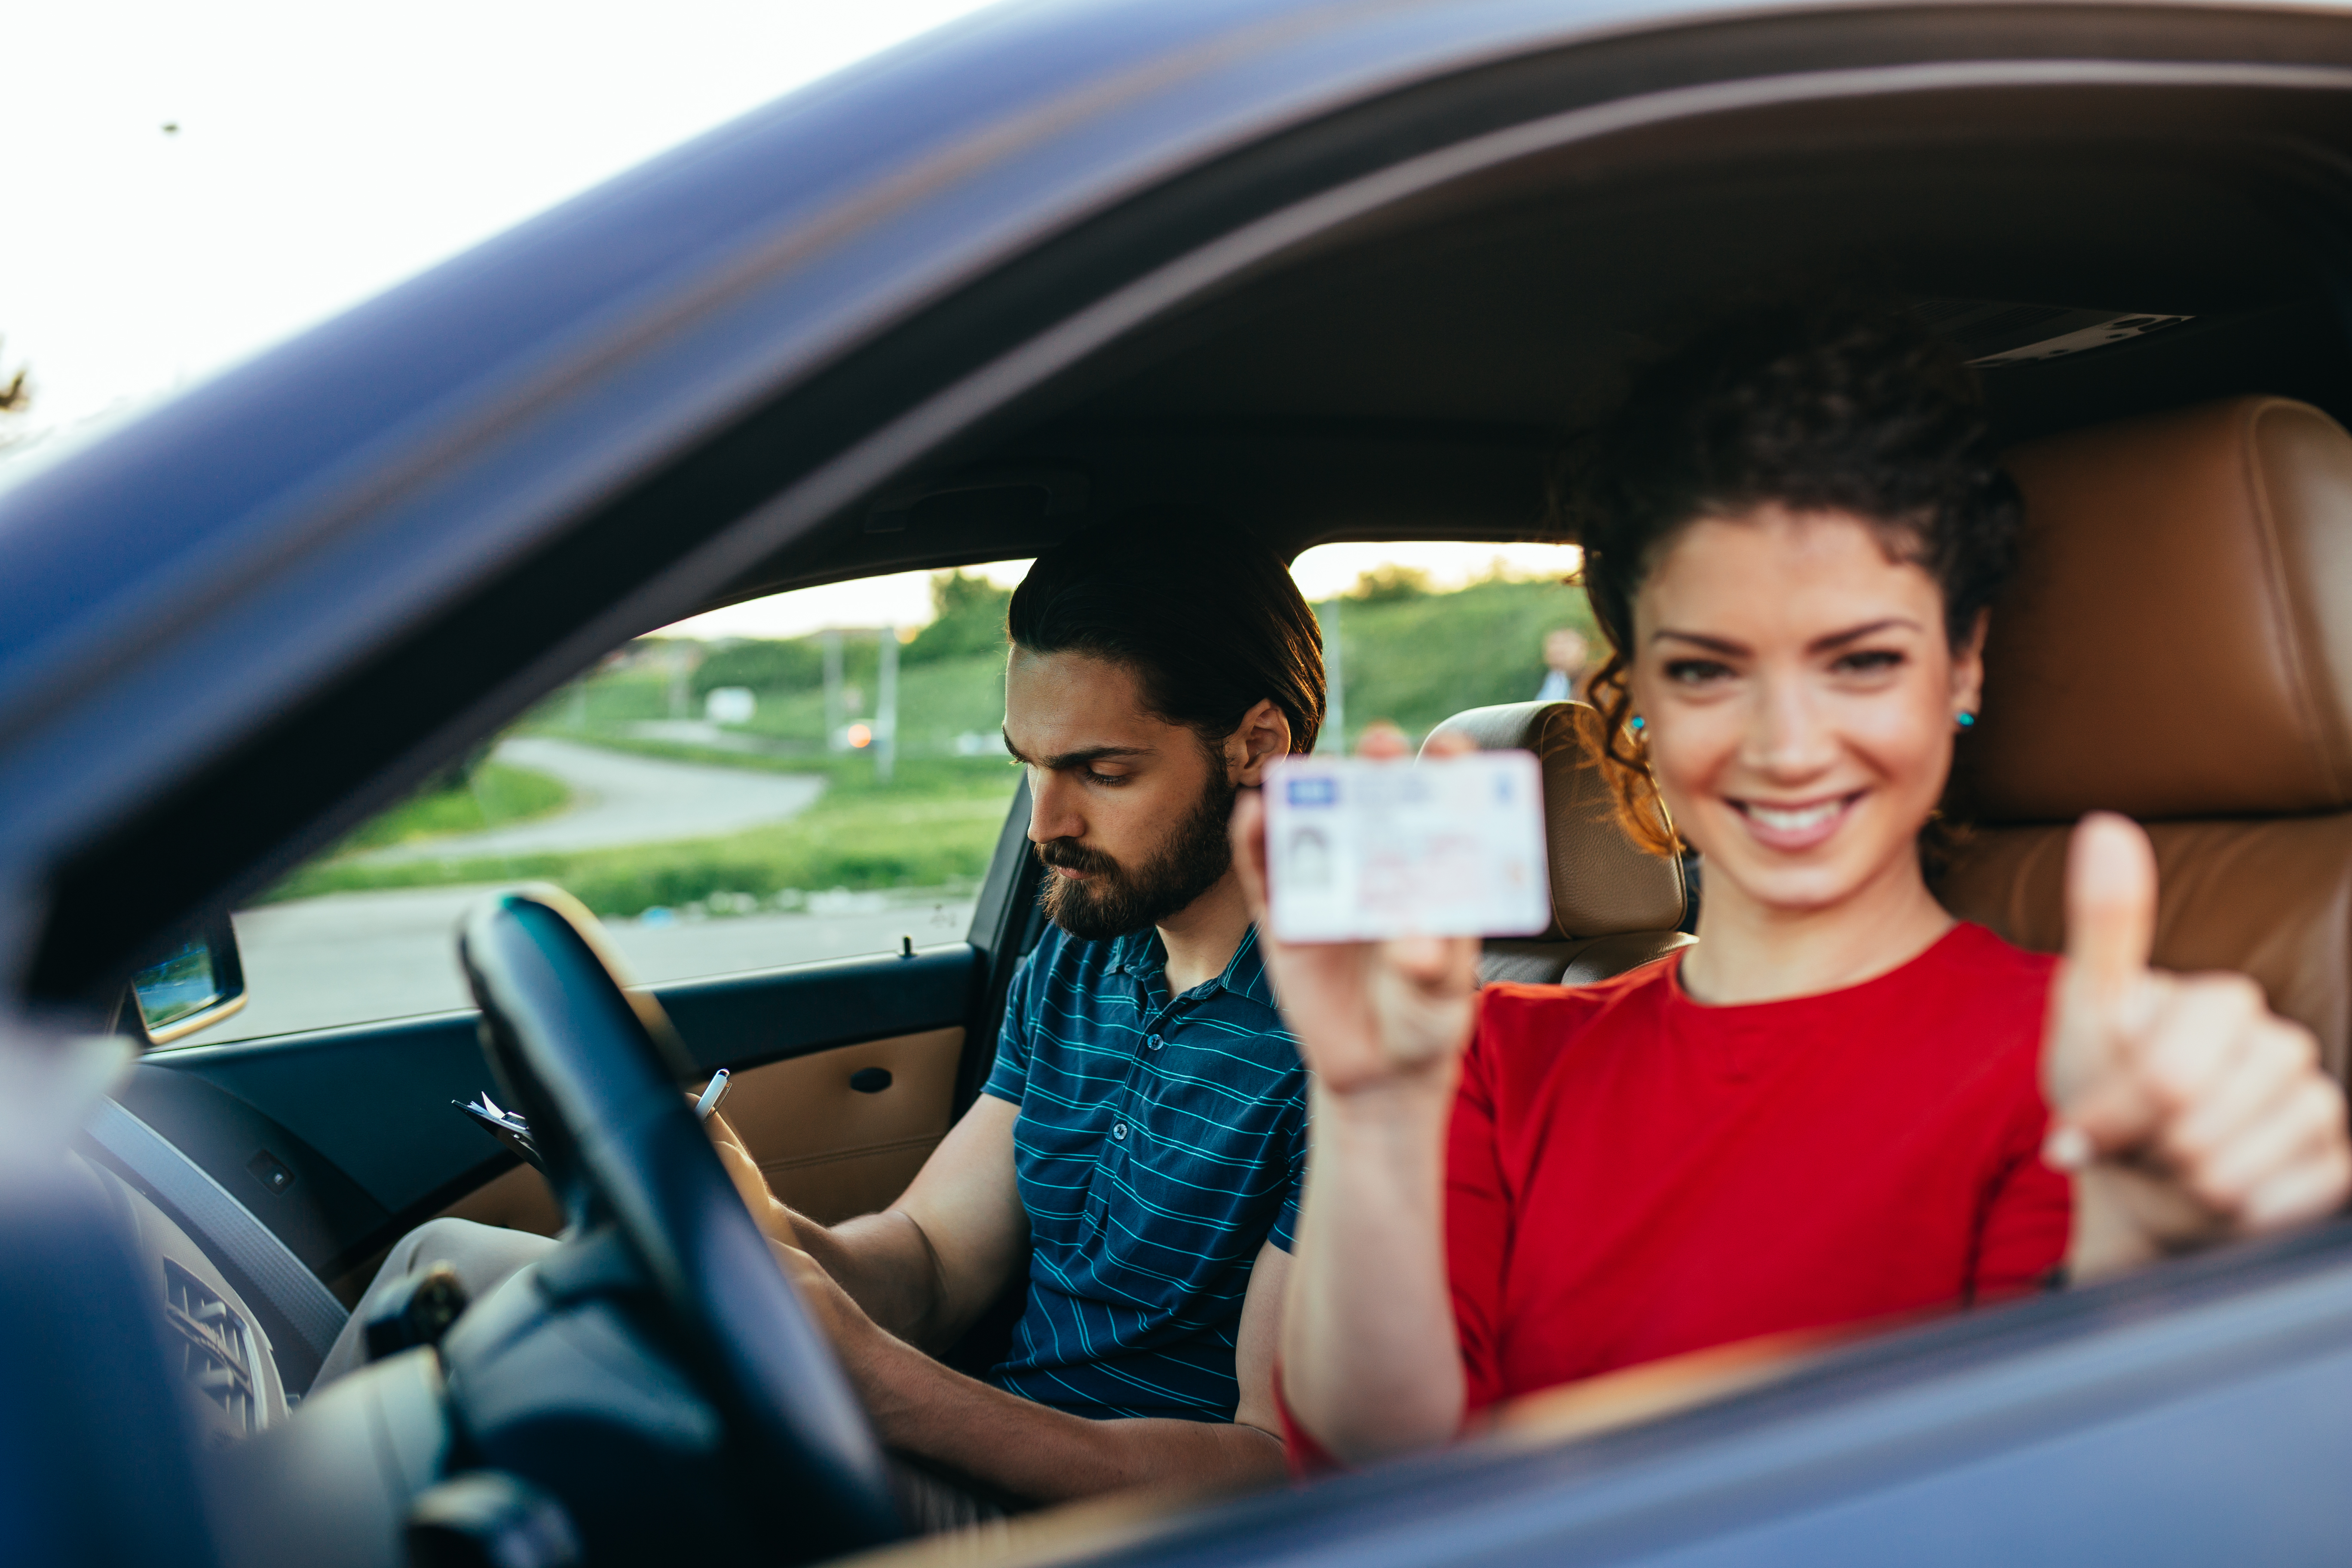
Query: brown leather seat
{"type": "Point", "coordinates": [1614, 905]}
{"type": "Point", "coordinates": [2178, 645]}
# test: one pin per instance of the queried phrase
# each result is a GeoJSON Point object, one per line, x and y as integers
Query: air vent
{"type": "Point", "coordinates": [215, 1348]}
{"type": "Point", "coordinates": [1994, 332]}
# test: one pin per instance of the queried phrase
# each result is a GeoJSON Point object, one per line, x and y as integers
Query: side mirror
{"type": "Point", "coordinates": [196, 984]}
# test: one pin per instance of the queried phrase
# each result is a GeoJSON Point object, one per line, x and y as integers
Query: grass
{"type": "Point", "coordinates": [1412, 657]}
{"type": "Point", "coordinates": [1419, 659]}
{"type": "Point", "coordinates": [492, 795]}
{"type": "Point", "coordinates": [938, 831]}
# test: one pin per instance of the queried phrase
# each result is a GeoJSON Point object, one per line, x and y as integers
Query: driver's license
{"type": "Point", "coordinates": [1365, 851]}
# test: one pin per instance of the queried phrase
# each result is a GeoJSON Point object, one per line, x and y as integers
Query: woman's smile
{"type": "Point", "coordinates": [1793, 826]}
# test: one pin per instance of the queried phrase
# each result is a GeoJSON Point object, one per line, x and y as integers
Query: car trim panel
{"type": "Point", "coordinates": [229, 1233]}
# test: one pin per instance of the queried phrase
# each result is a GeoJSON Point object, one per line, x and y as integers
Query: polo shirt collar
{"type": "Point", "coordinates": [1141, 953]}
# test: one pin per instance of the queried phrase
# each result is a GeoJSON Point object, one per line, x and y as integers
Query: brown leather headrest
{"type": "Point", "coordinates": [1602, 883]}
{"type": "Point", "coordinates": [2177, 641]}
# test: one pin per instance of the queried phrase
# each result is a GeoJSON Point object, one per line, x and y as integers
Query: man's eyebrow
{"type": "Point", "coordinates": [1079, 758]}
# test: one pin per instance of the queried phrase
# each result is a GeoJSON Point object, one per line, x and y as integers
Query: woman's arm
{"type": "Point", "coordinates": [1370, 1364]}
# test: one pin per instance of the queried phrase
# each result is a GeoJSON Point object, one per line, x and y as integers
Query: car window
{"type": "Point", "coordinates": [813, 776]}
{"type": "Point", "coordinates": [1416, 632]}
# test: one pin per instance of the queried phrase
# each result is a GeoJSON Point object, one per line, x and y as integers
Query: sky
{"type": "Point", "coordinates": [185, 186]}
{"type": "Point", "coordinates": [322, 152]}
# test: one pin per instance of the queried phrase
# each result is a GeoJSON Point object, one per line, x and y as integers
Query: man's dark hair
{"type": "Point", "coordinates": [1206, 617]}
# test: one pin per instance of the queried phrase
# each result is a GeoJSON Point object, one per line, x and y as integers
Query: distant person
{"type": "Point", "coordinates": [1383, 741]}
{"type": "Point", "coordinates": [1132, 1164]}
{"type": "Point", "coordinates": [1565, 657]}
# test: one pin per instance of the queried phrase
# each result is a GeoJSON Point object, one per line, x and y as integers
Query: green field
{"type": "Point", "coordinates": [935, 828]}
{"type": "Point", "coordinates": [489, 795]}
{"type": "Point", "coordinates": [1410, 657]}
{"type": "Point", "coordinates": [1418, 658]}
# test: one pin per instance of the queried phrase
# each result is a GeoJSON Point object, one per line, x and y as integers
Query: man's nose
{"type": "Point", "coordinates": [1052, 809]}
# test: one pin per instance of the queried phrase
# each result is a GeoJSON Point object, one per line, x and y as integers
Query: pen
{"type": "Point", "coordinates": [712, 1095]}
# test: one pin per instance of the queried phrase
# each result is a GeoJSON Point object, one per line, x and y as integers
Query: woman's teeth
{"type": "Point", "coordinates": [1797, 820]}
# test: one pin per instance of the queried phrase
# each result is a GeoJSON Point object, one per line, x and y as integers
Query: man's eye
{"type": "Point", "coordinates": [1093, 777]}
{"type": "Point", "coordinates": [1696, 671]}
{"type": "Point", "coordinates": [1869, 661]}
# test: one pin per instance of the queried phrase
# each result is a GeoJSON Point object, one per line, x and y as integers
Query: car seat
{"type": "Point", "coordinates": [1614, 905]}
{"type": "Point", "coordinates": [2177, 645]}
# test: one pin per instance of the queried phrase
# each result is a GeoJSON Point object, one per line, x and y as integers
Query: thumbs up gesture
{"type": "Point", "coordinates": [2185, 1109]}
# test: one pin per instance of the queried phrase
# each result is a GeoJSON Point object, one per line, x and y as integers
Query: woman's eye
{"type": "Point", "coordinates": [1869, 661]}
{"type": "Point", "coordinates": [1696, 671]}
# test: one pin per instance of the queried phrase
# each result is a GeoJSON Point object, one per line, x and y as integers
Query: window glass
{"type": "Point", "coordinates": [1414, 633]}
{"type": "Point", "coordinates": [813, 776]}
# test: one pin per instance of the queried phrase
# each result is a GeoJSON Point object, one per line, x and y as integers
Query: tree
{"type": "Point", "coordinates": [1388, 585]}
{"type": "Point", "coordinates": [967, 618]}
{"type": "Point", "coordinates": [16, 398]}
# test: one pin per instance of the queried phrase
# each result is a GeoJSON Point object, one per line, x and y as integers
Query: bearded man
{"type": "Point", "coordinates": [1134, 1159]}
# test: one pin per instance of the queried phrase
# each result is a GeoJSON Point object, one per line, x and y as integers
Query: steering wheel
{"type": "Point", "coordinates": [599, 1072]}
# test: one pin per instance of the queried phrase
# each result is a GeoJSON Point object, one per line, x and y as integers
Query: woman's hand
{"type": "Point", "coordinates": [1366, 1014]}
{"type": "Point", "coordinates": [2187, 1110]}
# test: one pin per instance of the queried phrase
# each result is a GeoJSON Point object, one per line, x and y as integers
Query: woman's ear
{"type": "Point", "coordinates": [1263, 735]}
{"type": "Point", "coordinates": [1968, 668]}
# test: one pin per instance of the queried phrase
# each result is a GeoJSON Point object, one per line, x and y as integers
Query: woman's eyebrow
{"type": "Point", "coordinates": [1854, 634]}
{"type": "Point", "coordinates": [1718, 645]}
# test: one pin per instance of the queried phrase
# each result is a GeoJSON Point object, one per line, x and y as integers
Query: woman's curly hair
{"type": "Point", "coordinates": [1814, 408]}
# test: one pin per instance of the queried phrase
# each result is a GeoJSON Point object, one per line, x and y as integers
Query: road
{"type": "Point", "coordinates": [351, 958]}
{"type": "Point", "coordinates": [619, 799]}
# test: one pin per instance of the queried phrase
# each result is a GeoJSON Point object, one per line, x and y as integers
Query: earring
{"type": "Point", "coordinates": [1636, 722]}
{"type": "Point", "coordinates": [1967, 720]}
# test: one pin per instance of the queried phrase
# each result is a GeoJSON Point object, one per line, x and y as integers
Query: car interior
{"type": "Point", "coordinates": [2152, 279]}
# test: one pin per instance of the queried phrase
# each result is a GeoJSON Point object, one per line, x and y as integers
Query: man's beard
{"type": "Point", "coordinates": [1111, 900]}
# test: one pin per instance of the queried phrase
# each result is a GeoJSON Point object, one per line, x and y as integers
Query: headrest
{"type": "Point", "coordinates": [1602, 883]}
{"type": "Point", "coordinates": [2177, 641]}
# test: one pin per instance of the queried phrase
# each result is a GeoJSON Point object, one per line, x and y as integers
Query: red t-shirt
{"type": "Point", "coordinates": [1632, 1174]}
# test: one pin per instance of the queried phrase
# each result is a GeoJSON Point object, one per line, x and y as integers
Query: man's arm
{"type": "Point", "coordinates": [1034, 1451]}
{"type": "Point", "coordinates": [924, 1268]}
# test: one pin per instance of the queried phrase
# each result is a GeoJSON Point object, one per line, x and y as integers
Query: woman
{"type": "Point", "coordinates": [1832, 1107]}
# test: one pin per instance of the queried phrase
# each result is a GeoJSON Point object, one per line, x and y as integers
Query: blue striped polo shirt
{"type": "Point", "coordinates": [1161, 1143]}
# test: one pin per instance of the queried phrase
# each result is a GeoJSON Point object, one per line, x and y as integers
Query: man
{"type": "Point", "coordinates": [1134, 1159]}
{"type": "Point", "coordinates": [1135, 1156]}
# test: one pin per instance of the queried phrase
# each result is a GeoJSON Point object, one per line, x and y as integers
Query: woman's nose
{"type": "Point", "coordinates": [1788, 736]}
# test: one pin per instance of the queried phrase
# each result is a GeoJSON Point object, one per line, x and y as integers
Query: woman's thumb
{"type": "Point", "coordinates": [2110, 905]}
{"type": "Point", "coordinates": [2110, 930]}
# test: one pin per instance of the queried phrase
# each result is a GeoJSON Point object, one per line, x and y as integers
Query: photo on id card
{"type": "Point", "coordinates": [1358, 850]}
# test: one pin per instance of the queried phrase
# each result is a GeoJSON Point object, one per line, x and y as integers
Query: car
{"type": "Point", "coordinates": [1351, 269]}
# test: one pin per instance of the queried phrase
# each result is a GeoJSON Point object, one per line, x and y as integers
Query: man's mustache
{"type": "Point", "coordinates": [1072, 856]}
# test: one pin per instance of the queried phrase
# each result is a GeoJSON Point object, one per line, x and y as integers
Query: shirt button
{"type": "Point", "coordinates": [1153, 1042]}
{"type": "Point", "coordinates": [1118, 1129]}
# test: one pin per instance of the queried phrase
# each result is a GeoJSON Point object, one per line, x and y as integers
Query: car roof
{"type": "Point", "coordinates": [236, 626]}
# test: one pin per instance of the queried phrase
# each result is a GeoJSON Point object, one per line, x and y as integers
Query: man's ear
{"type": "Point", "coordinates": [1263, 735]}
